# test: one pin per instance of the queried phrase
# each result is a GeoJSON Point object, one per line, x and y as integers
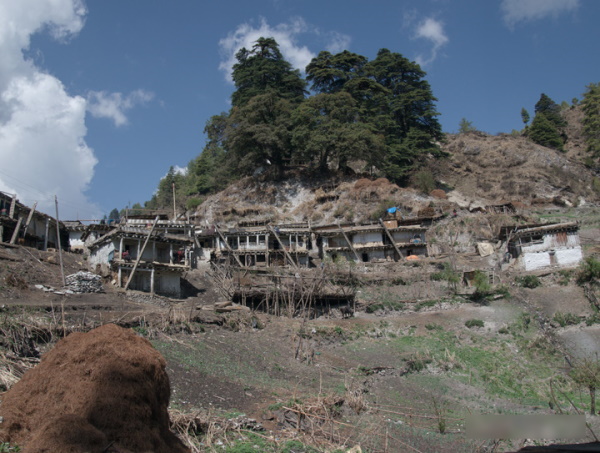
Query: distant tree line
{"type": "Point", "coordinates": [548, 127]}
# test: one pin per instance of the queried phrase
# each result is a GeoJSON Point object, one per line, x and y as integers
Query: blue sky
{"type": "Point", "coordinates": [98, 98]}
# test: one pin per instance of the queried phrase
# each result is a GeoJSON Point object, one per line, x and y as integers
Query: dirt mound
{"type": "Point", "coordinates": [96, 389]}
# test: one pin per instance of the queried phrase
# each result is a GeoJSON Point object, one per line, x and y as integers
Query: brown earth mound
{"type": "Point", "coordinates": [104, 389]}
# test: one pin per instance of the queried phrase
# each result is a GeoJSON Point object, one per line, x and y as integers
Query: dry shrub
{"type": "Point", "coordinates": [15, 281]}
{"type": "Point", "coordinates": [381, 182]}
{"type": "Point", "coordinates": [362, 183]}
{"type": "Point", "coordinates": [438, 193]}
{"type": "Point", "coordinates": [305, 209]}
{"type": "Point", "coordinates": [201, 429]}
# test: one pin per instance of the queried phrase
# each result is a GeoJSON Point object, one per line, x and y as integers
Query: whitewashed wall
{"type": "Point", "coordinates": [536, 260]}
{"type": "Point", "coordinates": [569, 257]}
{"type": "Point", "coordinates": [102, 254]}
{"type": "Point", "coordinates": [563, 257]}
{"type": "Point", "coordinates": [75, 241]}
{"type": "Point", "coordinates": [550, 241]}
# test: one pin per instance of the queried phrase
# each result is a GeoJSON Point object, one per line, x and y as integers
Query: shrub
{"type": "Point", "coordinates": [589, 271]}
{"type": "Point", "coordinates": [474, 323]}
{"type": "Point", "coordinates": [482, 283]}
{"type": "Point", "coordinates": [381, 210]}
{"type": "Point", "coordinates": [193, 203]}
{"type": "Point", "coordinates": [417, 362]}
{"type": "Point", "coordinates": [424, 181]}
{"type": "Point", "coordinates": [388, 305]}
{"type": "Point", "coordinates": [425, 304]}
{"type": "Point", "coordinates": [565, 277]}
{"type": "Point", "coordinates": [528, 281]}
{"type": "Point", "coordinates": [566, 319]}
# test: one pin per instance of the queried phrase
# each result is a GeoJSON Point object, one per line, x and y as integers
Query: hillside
{"type": "Point", "coordinates": [490, 169]}
{"type": "Point", "coordinates": [480, 170]}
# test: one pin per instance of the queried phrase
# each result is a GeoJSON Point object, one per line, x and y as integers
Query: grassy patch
{"type": "Point", "coordinates": [528, 281]}
{"type": "Point", "coordinates": [517, 369]}
{"type": "Point", "coordinates": [474, 323]}
{"type": "Point", "coordinates": [566, 319]}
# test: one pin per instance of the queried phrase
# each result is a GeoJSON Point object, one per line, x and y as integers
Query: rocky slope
{"type": "Point", "coordinates": [480, 170]}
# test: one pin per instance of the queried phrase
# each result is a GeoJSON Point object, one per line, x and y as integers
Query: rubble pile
{"type": "Point", "coordinates": [84, 282]}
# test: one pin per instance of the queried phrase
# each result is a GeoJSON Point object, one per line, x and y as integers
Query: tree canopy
{"type": "Point", "coordinates": [380, 113]}
{"type": "Point", "coordinates": [547, 126]}
{"type": "Point", "coordinates": [263, 69]}
{"type": "Point", "coordinates": [591, 120]}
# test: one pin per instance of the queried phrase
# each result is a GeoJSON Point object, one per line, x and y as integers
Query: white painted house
{"type": "Point", "coordinates": [545, 246]}
{"type": "Point", "coordinates": [161, 263]}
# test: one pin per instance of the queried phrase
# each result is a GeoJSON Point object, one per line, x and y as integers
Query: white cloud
{"type": "Point", "coordinates": [42, 127]}
{"type": "Point", "coordinates": [286, 35]}
{"type": "Point", "coordinates": [433, 31]}
{"type": "Point", "coordinates": [515, 11]}
{"type": "Point", "coordinates": [337, 42]}
{"type": "Point", "coordinates": [114, 105]}
{"type": "Point", "coordinates": [180, 170]}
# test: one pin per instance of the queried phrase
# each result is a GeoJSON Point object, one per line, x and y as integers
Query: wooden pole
{"type": "Point", "coordinates": [13, 203]}
{"type": "Point", "coordinates": [287, 255]}
{"type": "Point", "coordinates": [62, 269]}
{"type": "Point", "coordinates": [139, 258]}
{"type": "Point", "coordinates": [16, 231]}
{"type": "Point", "coordinates": [237, 258]}
{"type": "Point", "coordinates": [174, 208]}
{"type": "Point", "coordinates": [391, 238]}
{"type": "Point", "coordinates": [29, 218]}
{"type": "Point", "coordinates": [349, 243]}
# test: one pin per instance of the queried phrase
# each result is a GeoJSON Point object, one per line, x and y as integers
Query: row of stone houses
{"type": "Point", "coordinates": [299, 245]}
{"type": "Point", "coordinates": [175, 248]}
{"type": "Point", "coordinates": [161, 250]}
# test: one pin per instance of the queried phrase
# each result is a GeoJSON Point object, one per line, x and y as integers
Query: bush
{"type": "Point", "coordinates": [448, 274]}
{"type": "Point", "coordinates": [386, 306]}
{"type": "Point", "coordinates": [566, 319]}
{"type": "Point", "coordinates": [474, 323]}
{"type": "Point", "coordinates": [425, 304]}
{"type": "Point", "coordinates": [565, 277]}
{"type": "Point", "coordinates": [482, 283]}
{"type": "Point", "coordinates": [381, 210]}
{"type": "Point", "coordinates": [589, 271]}
{"type": "Point", "coordinates": [417, 362]}
{"type": "Point", "coordinates": [193, 203]}
{"type": "Point", "coordinates": [424, 181]}
{"type": "Point", "coordinates": [528, 281]}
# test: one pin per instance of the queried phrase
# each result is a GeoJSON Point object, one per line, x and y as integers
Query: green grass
{"type": "Point", "coordinates": [247, 442]}
{"type": "Point", "coordinates": [517, 369]}
{"type": "Point", "coordinates": [199, 357]}
{"type": "Point", "coordinates": [474, 323]}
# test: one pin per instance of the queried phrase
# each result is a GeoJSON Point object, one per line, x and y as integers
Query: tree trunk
{"type": "Point", "coordinates": [592, 400]}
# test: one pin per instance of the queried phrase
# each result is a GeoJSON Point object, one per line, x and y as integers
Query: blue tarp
{"type": "Point", "coordinates": [392, 210]}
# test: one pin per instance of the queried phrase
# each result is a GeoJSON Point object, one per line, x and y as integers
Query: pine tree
{"type": "Point", "coordinates": [525, 117]}
{"type": "Point", "coordinates": [591, 120]}
{"type": "Point", "coordinates": [263, 69]}
{"type": "Point", "coordinates": [547, 126]}
{"type": "Point", "coordinates": [544, 132]}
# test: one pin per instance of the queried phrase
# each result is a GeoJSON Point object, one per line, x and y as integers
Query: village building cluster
{"type": "Point", "coordinates": [152, 252]}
